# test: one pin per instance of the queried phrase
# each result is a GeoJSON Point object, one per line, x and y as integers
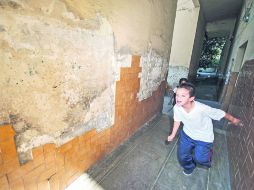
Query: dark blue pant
{"type": "Point", "coordinates": [202, 152]}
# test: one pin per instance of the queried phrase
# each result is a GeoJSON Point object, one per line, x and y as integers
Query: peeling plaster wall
{"type": "Point", "coordinates": [154, 70]}
{"type": "Point", "coordinates": [60, 61]}
{"type": "Point", "coordinates": [54, 80]}
{"type": "Point", "coordinates": [175, 73]}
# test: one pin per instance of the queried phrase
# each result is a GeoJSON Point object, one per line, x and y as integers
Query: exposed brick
{"type": "Point", "coordinates": [54, 182]}
{"type": "Point", "coordinates": [1, 158]}
{"type": "Point", "coordinates": [6, 133]}
{"type": "Point", "coordinates": [33, 175]}
{"type": "Point", "coordinates": [48, 173]}
{"type": "Point", "coordinates": [16, 174]}
{"type": "Point", "coordinates": [11, 165]}
{"type": "Point", "coordinates": [8, 150]}
{"type": "Point", "coordinates": [37, 152]}
{"type": "Point", "coordinates": [49, 148]}
{"type": "Point", "coordinates": [31, 185]}
{"type": "Point", "coordinates": [17, 185]}
{"type": "Point", "coordinates": [4, 183]}
{"type": "Point", "coordinates": [43, 185]}
{"type": "Point", "coordinates": [241, 140]}
{"type": "Point", "coordinates": [65, 147]}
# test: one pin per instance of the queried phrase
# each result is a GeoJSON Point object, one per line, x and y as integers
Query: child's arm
{"type": "Point", "coordinates": [233, 120]}
{"type": "Point", "coordinates": [175, 128]}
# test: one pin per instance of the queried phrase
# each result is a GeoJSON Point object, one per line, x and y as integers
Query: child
{"type": "Point", "coordinates": [197, 134]}
{"type": "Point", "coordinates": [181, 81]}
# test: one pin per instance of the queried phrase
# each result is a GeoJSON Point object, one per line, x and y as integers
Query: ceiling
{"type": "Point", "coordinates": [220, 9]}
{"type": "Point", "coordinates": [213, 10]}
{"type": "Point", "coordinates": [220, 15]}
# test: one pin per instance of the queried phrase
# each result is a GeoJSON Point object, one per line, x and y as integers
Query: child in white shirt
{"type": "Point", "coordinates": [197, 134]}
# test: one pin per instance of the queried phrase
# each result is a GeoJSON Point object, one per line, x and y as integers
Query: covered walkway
{"type": "Point", "coordinates": [145, 162]}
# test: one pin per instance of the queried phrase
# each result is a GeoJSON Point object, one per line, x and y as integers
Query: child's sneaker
{"type": "Point", "coordinates": [187, 173]}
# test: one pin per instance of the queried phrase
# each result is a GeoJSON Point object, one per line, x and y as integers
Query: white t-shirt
{"type": "Point", "coordinates": [198, 122]}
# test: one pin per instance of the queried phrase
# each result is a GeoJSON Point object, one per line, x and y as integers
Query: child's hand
{"type": "Point", "coordinates": [171, 138]}
{"type": "Point", "coordinates": [237, 122]}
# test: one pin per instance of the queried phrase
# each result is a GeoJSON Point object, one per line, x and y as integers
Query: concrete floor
{"type": "Point", "coordinates": [145, 162]}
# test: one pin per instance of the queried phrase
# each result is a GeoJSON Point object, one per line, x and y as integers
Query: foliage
{"type": "Point", "coordinates": [211, 53]}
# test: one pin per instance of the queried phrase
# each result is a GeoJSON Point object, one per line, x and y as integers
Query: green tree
{"type": "Point", "coordinates": [211, 53]}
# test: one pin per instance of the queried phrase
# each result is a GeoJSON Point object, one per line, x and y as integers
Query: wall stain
{"type": "Point", "coordinates": [11, 4]}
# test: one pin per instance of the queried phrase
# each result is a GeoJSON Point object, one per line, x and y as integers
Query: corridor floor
{"type": "Point", "coordinates": [146, 162]}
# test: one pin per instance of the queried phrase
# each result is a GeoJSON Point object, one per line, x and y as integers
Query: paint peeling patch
{"type": "Point", "coordinates": [28, 140]}
{"type": "Point", "coordinates": [122, 60]}
{"type": "Point", "coordinates": [59, 81]}
{"type": "Point", "coordinates": [154, 69]}
{"type": "Point", "coordinates": [175, 73]}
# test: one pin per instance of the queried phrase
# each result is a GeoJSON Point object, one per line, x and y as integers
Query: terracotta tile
{"type": "Point", "coordinates": [11, 165]}
{"type": "Point", "coordinates": [59, 160]}
{"type": "Point", "coordinates": [33, 175]}
{"type": "Point", "coordinates": [17, 185]}
{"type": "Point", "coordinates": [8, 150]}
{"type": "Point", "coordinates": [47, 148]}
{"type": "Point", "coordinates": [50, 157]}
{"type": "Point", "coordinates": [1, 158]}
{"type": "Point", "coordinates": [54, 182]}
{"type": "Point", "coordinates": [65, 147]}
{"type": "Point", "coordinates": [6, 133]}
{"type": "Point", "coordinates": [4, 183]}
{"type": "Point", "coordinates": [90, 134]}
{"type": "Point", "coordinates": [46, 175]}
{"type": "Point", "coordinates": [135, 61]}
{"type": "Point", "coordinates": [43, 185]}
{"type": "Point", "coordinates": [30, 185]}
{"type": "Point", "coordinates": [61, 177]}
{"type": "Point", "coordinates": [16, 174]}
{"type": "Point", "coordinates": [37, 152]}
{"type": "Point", "coordinates": [2, 171]}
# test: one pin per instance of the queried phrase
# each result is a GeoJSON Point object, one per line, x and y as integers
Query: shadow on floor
{"type": "Point", "coordinates": [207, 89]}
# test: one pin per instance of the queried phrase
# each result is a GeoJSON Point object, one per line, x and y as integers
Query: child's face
{"type": "Point", "coordinates": [183, 97]}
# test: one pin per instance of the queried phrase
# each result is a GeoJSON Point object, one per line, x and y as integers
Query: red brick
{"type": "Point", "coordinates": [17, 185]}
{"type": "Point", "coordinates": [50, 157]}
{"type": "Point", "coordinates": [1, 158]}
{"type": "Point", "coordinates": [33, 175]}
{"type": "Point", "coordinates": [135, 61]}
{"type": "Point", "coordinates": [16, 174]}
{"type": "Point", "coordinates": [54, 182]}
{"type": "Point", "coordinates": [6, 133]}
{"type": "Point", "coordinates": [8, 149]}
{"type": "Point", "coordinates": [37, 152]}
{"type": "Point", "coordinates": [65, 147]}
{"type": "Point", "coordinates": [11, 165]}
{"type": "Point", "coordinates": [43, 185]}
{"type": "Point", "coordinates": [4, 183]}
{"type": "Point", "coordinates": [30, 185]}
{"type": "Point", "coordinates": [47, 174]}
{"type": "Point", "coordinates": [49, 148]}
{"type": "Point", "coordinates": [61, 177]}
{"type": "Point", "coordinates": [59, 160]}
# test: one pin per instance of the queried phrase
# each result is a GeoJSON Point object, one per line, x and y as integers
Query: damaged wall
{"type": "Point", "coordinates": [61, 60]}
